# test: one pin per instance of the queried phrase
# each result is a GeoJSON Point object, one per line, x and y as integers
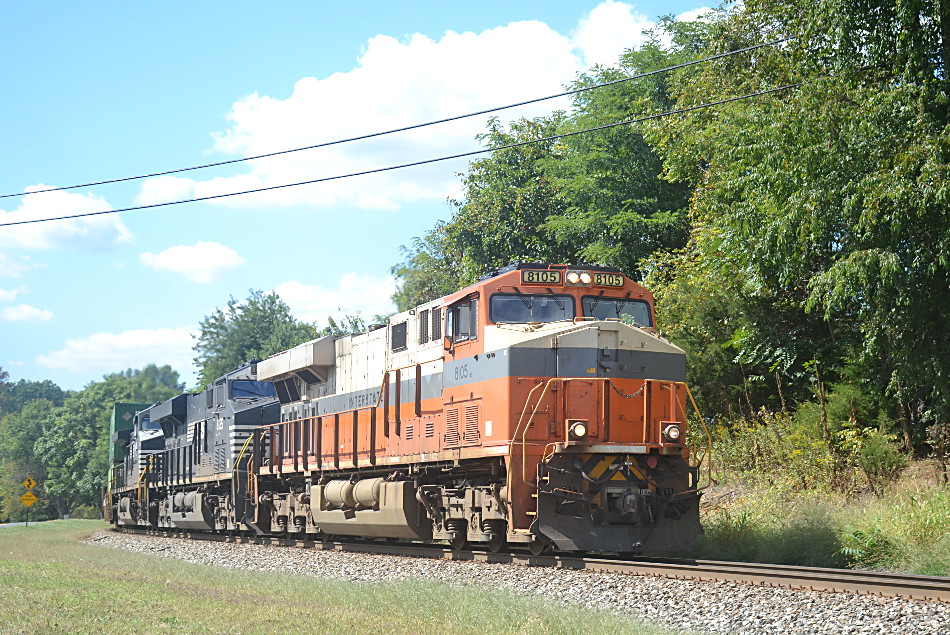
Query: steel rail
{"type": "Point", "coordinates": [883, 584]}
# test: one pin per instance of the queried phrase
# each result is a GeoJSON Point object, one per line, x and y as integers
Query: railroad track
{"type": "Point", "coordinates": [915, 587]}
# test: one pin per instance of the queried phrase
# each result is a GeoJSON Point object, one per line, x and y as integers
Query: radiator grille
{"type": "Point", "coordinates": [471, 424]}
{"type": "Point", "coordinates": [452, 427]}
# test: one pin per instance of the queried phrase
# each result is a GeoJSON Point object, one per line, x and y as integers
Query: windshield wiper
{"type": "Point", "coordinates": [622, 303]}
{"type": "Point", "coordinates": [557, 300]}
{"type": "Point", "coordinates": [524, 298]}
{"type": "Point", "coordinates": [596, 301]}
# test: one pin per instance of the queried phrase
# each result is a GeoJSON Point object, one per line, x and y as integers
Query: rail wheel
{"type": "Point", "coordinates": [537, 547]}
{"type": "Point", "coordinates": [458, 532]}
{"type": "Point", "coordinates": [496, 542]}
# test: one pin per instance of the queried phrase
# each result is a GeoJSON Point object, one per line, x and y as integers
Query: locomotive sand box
{"type": "Point", "coordinates": [536, 408]}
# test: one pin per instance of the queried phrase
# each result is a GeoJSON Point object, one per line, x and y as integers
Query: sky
{"type": "Point", "coordinates": [106, 90]}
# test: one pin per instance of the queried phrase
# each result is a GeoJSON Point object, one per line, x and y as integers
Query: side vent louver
{"type": "Point", "coordinates": [452, 438]}
{"type": "Point", "coordinates": [471, 425]}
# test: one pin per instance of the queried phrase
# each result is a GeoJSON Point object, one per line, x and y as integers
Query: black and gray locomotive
{"type": "Point", "coordinates": [185, 459]}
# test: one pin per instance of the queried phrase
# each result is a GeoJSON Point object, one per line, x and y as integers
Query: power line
{"type": "Point", "coordinates": [415, 163]}
{"type": "Point", "coordinates": [405, 128]}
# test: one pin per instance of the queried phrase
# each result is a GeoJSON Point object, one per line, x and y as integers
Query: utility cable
{"type": "Point", "coordinates": [416, 163]}
{"type": "Point", "coordinates": [405, 128]}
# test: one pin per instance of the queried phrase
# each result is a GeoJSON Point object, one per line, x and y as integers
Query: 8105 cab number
{"type": "Point", "coordinates": [540, 276]}
{"type": "Point", "coordinates": [608, 279]}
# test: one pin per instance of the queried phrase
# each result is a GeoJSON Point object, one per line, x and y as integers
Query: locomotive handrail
{"type": "Point", "coordinates": [515, 435]}
{"type": "Point", "coordinates": [138, 487]}
{"type": "Point", "coordinates": [379, 397]}
{"type": "Point", "coordinates": [709, 441]}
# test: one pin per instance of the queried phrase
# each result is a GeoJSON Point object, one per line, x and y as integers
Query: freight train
{"type": "Point", "coordinates": [537, 408]}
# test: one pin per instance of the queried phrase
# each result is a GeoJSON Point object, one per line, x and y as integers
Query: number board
{"type": "Point", "coordinates": [608, 279]}
{"type": "Point", "coordinates": [540, 276]}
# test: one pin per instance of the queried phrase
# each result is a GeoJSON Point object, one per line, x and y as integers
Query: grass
{"type": "Point", "coordinates": [906, 530]}
{"type": "Point", "coordinates": [50, 581]}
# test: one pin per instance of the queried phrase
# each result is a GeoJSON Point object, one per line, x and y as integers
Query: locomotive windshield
{"type": "Point", "coordinates": [518, 308]}
{"type": "Point", "coordinates": [246, 389]}
{"type": "Point", "coordinates": [628, 311]}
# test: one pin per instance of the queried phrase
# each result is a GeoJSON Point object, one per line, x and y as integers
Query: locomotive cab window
{"type": "Point", "coordinates": [627, 310]}
{"type": "Point", "coordinates": [520, 308]}
{"type": "Point", "coordinates": [461, 321]}
{"type": "Point", "coordinates": [247, 389]}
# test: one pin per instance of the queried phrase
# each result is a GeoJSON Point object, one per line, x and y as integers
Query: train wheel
{"type": "Point", "coordinates": [538, 548]}
{"type": "Point", "coordinates": [459, 542]}
{"type": "Point", "coordinates": [496, 542]}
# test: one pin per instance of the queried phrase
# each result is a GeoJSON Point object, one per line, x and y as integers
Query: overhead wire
{"type": "Point", "coordinates": [461, 155]}
{"type": "Point", "coordinates": [406, 128]}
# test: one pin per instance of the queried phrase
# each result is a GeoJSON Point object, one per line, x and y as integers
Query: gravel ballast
{"type": "Point", "coordinates": [702, 607]}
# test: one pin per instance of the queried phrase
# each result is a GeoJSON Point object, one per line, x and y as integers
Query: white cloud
{"type": "Point", "coordinates": [93, 233]}
{"type": "Point", "coordinates": [395, 83]}
{"type": "Point", "coordinates": [165, 188]}
{"type": "Point", "coordinates": [9, 295]}
{"type": "Point", "coordinates": [25, 313]}
{"type": "Point", "coordinates": [694, 14]}
{"type": "Point", "coordinates": [608, 30]}
{"type": "Point", "coordinates": [353, 293]}
{"type": "Point", "coordinates": [9, 268]}
{"type": "Point", "coordinates": [201, 262]}
{"type": "Point", "coordinates": [111, 352]}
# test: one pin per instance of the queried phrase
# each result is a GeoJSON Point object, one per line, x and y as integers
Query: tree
{"type": "Point", "coordinates": [831, 199]}
{"type": "Point", "coordinates": [507, 200]}
{"type": "Point", "coordinates": [617, 209]}
{"type": "Point", "coordinates": [73, 445]}
{"type": "Point", "coordinates": [22, 392]}
{"type": "Point", "coordinates": [430, 269]}
{"type": "Point", "coordinates": [18, 434]}
{"type": "Point", "coordinates": [258, 327]}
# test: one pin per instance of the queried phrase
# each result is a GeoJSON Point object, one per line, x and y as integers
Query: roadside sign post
{"type": "Point", "coordinates": [29, 498]}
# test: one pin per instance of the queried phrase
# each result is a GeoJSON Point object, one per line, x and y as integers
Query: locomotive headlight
{"type": "Point", "coordinates": [577, 430]}
{"type": "Point", "coordinates": [672, 432]}
{"type": "Point", "coordinates": [579, 278]}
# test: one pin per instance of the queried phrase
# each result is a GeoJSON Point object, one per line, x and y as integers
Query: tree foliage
{"type": "Point", "coordinates": [16, 395]}
{"type": "Point", "coordinates": [255, 328]}
{"type": "Point", "coordinates": [64, 446]}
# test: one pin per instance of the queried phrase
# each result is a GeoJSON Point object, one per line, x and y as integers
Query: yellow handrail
{"type": "Point", "coordinates": [514, 436]}
{"type": "Point", "coordinates": [709, 442]}
{"type": "Point", "coordinates": [138, 487]}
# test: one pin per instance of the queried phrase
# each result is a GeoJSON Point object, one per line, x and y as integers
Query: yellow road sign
{"type": "Point", "coordinates": [29, 483]}
{"type": "Point", "coordinates": [28, 499]}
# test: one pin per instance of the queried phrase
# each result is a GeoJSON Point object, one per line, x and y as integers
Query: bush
{"type": "Point", "coordinates": [880, 460]}
{"type": "Point", "coordinates": [774, 449]}
{"type": "Point", "coordinates": [87, 512]}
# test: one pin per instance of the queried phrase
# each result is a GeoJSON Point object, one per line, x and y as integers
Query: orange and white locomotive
{"type": "Point", "coordinates": [537, 406]}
